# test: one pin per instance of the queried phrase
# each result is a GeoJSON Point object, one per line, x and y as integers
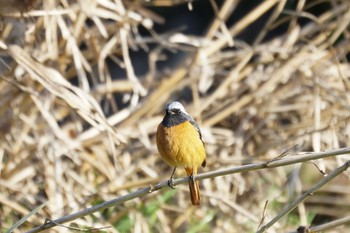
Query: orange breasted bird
{"type": "Point", "coordinates": [179, 142]}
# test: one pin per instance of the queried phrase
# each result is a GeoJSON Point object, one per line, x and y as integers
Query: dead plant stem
{"type": "Point", "coordinates": [292, 159]}
{"type": "Point", "coordinates": [307, 194]}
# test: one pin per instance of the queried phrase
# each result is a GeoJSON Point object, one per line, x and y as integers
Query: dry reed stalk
{"type": "Point", "coordinates": [76, 132]}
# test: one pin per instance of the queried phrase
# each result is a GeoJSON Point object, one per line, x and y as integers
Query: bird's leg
{"type": "Point", "coordinates": [171, 180]}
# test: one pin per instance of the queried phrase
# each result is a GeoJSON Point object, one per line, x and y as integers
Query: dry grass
{"type": "Point", "coordinates": [76, 134]}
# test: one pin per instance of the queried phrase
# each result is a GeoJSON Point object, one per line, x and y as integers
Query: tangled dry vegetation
{"type": "Point", "coordinates": [75, 132]}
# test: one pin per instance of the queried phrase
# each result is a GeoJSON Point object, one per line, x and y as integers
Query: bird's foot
{"type": "Point", "coordinates": [171, 180]}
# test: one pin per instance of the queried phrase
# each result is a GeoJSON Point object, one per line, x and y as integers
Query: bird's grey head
{"type": "Point", "coordinates": [175, 107]}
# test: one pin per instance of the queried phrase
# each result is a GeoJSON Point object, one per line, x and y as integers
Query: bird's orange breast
{"type": "Point", "coordinates": [180, 145]}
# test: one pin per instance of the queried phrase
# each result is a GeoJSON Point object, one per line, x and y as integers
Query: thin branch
{"type": "Point", "coordinates": [297, 158]}
{"type": "Point", "coordinates": [331, 225]}
{"type": "Point", "coordinates": [307, 194]}
{"type": "Point", "coordinates": [292, 159]}
{"type": "Point", "coordinates": [22, 220]}
{"type": "Point", "coordinates": [90, 229]}
{"type": "Point", "coordinates": [264, 214]}
{"type": "Point", "coordinates": [328, 225]}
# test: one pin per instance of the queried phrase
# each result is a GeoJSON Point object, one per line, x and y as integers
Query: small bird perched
{"type": "Point", "coordinates": [179, 142]}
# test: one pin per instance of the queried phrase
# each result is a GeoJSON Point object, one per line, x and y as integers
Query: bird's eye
{"type": "Point", "coordinates": [173, 111]}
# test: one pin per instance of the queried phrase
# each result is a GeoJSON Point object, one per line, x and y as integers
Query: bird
{"type": "Point", "coordinates": [180, 144]}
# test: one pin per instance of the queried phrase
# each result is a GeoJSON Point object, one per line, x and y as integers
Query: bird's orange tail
{"type": "Point", "coordinates": [194, 187]}
{"type": "Point", "coordinates": [194, 191]}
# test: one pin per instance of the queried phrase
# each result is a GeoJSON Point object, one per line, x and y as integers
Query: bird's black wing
{"type": "Point", "coordinates": [196, 126]}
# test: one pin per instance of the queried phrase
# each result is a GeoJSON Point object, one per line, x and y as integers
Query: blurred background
{"type": "Point", "coordinates": [83, 85]}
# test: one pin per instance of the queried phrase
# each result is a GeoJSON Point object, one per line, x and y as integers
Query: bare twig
{"type": "Point", "coordinates": [308, 193]}
{"type": "Point", "coordinates": [90, 229]}
{"type": "Point", "coordinates": [331, 224]}
{"type": "Point", "coordinates": [245, 168]}
{"type": "Point", "coordinates": [264, 214]}
{"type": "Point", "coordinates": [24, 219]}
{"type": "Point", "coordinates": [328, 225]}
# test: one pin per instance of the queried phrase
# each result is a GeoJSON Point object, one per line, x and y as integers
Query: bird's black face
{"type": "Point", "coordinates": [174, 116]}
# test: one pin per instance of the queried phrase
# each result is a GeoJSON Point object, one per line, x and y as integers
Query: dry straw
{"type": "Point", "coordinates": [76, 133]}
